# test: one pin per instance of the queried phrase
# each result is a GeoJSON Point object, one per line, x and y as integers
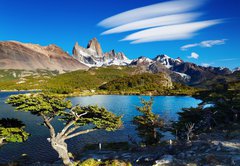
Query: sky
{"type": "Point", "coordinates": [205, 32]}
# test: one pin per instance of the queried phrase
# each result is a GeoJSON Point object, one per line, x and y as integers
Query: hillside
{"type": "Point", "coordinates": [104, 80]}
{"type": "Point", "coordinates": [44, 79]}
{"type": "Point", "coordinates": [20, 56]}
{"type": "Point", "coordinates": [88, 80]}
{"type": "Point", "coordinates": [139, 82]}
{"type": "Point", "coordinates": [24, 80]}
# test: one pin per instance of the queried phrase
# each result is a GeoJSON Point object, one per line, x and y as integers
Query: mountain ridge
{"type": "Point", "coordinates": [93, 56]}
{"type": "Point", "coordinates": [28, 56]}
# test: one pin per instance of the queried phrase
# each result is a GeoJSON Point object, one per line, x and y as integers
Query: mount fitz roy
{"type": "Point", "coordinates": [94, 56]}
{"type": "Point", "coordinates": [16, 55]}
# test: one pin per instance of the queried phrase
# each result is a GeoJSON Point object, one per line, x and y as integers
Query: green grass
{"type": "Point", "coordinates": [24, 80]}
{"type": "Point", "coordinates": [8, 75]}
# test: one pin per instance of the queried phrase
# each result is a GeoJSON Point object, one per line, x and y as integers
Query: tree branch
{"type": "Point", "coordinates": [49, 126]}
{"type": "Point", "coordinates": [80, 132]}
{"type": "Point", "coordinates": [64, 130]}
{"type": "Point", "coordinates": [50, 119]}
{"type": "Point", "coordinates": [71, 130]}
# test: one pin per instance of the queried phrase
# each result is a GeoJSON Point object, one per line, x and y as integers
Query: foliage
{"type": "Point", "coordinates": [234, 85]}
{"type": "Point", "coordinates": [180, 89]}
{"type": "Point", "coordinates": [86, 80]}
{"type": "Point", "coordinates": [90, 162]}
{"type": "Point", "coordinates": [12, 130]}
{"type": "Point", "coordinates": [93, 162]}
{"type": "Point", "coordinates": [51, 106]}
{"type": "Point", "coordinates": [141, 82]}
{"type": "Point", "coordinates": [148, 123]}
{"type": "Point", "coordinates": [101, 118]}
{"type": "Point", "coordinates": [224, 112]}
{"type": "Point", "coordinates": [39, 104]}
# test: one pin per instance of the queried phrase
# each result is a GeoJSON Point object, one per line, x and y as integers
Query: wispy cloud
{"type": "Point", "coordinates": [159, 9]}
{"type": "Point", "coordinates": [194, 55]}
{"type": "Point", "coordinates": [206, 43]}
{"type": "Point", "coordinates": [154, 22]}
{"type": "Point", "coordinates": [172, 20]}
{"type": "Point", "coordinates": [171, 32]}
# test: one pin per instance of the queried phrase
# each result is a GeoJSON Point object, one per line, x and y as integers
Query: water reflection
{"type": "Point", "coordinates": [37, 147]}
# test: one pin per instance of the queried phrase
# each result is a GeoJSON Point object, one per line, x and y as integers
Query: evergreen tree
{"type": "Point", "coordinates": [148, 123]}
{"type": "Point", "coordinates": [12, 130]}
{"type": "Point", "coordinates": [49, 107]}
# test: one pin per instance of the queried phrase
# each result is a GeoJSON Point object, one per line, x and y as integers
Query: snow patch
{"type": "Point", "coordinates": [183, 75]}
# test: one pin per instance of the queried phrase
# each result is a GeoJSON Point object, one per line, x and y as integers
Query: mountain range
{"type": "Point", "coordinates": [16, 55]}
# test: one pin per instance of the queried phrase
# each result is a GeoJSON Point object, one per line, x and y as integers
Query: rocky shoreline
{"type": "Point", "coordinates": [210, 149]}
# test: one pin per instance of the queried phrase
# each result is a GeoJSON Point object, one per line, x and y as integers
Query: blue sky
{"type": "Point", "coordinates": [206, 33]}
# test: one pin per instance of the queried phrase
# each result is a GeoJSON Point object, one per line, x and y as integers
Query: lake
{"type": "Point", "coordinates": [38, 148]}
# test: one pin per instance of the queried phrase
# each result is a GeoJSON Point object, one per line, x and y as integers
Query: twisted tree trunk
{"type": "Point", "coordinates": [58, 142]}
{"type": "Point", "coordinates": [60, 147]}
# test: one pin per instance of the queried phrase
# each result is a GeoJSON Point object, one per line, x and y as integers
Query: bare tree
{"type": "Point", "coordinates": [189, 127]}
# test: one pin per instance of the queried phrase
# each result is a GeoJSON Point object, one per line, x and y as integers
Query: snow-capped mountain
{"type": "Point", "coordinates": [167, 61]}
{"type": "Point", "coordinates": [179, 70]}
{"type": "Point", "coordinates": [236, 69]}
{"type": "Point", "coordinates": [16, 55]}
{"type": "Point", "coordinates": [93, 55]}
{"type": "Point", "coordinates": [142, 61]}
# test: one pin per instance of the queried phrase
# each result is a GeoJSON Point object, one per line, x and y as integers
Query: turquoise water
{"type": "Point", "coordinates": [38, 148]}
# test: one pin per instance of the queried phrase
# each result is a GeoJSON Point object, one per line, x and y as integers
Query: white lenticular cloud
{"type": "Point", "coordinates": [164, 38]}
{"type": "Point", "coordinates": [206, 43]}
{"type": "Point", "coordinates": [171, 20]}
{"type": "Point", "coordinates": [194, 55]}
{"type": "Point", "coordinates": [210, 43]}
{"type": "Point", "coordinates": [154, 22]}
{"type": "Point", "coordinates": [171, 32]}
{"type": "Point", "coordinates": [185, 47]}
{"type": "Point", "coordinates": [156, 10]}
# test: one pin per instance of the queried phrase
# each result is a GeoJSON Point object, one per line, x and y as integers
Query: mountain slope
{"type": "Point", "coordinates": [180, 71]}
{"type": "Point", "coordinates": [16, 55]}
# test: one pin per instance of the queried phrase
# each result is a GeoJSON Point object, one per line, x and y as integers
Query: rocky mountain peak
{"type": "Point", "coordinates": [56, 49]}
{"type": "Point", "coordinates": [94, 56]}
{"type": "Point", "coordinates": [142, 61]}
{"type": "Point", "coordinates": [95, 45]}
{"type": "Point", "coordinates": [167, 61]}
{"type": "Point", "coordinates": [76, 44]}
{"type": "Point", "coordinates": [179, 59]}
{"type": "Point", "coordinates": [115, 55]}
